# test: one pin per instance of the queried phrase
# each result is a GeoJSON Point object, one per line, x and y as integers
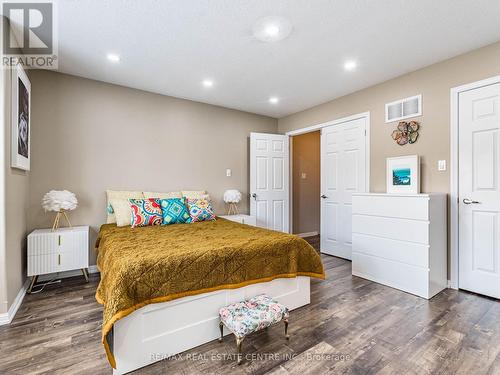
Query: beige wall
{"type": "Point", "coordinates": [90, 136]}
{"type": "Point", "coordinates": [306, 192]}
{"type": "Point", "coordinates": [15, 210]}
{"type": "Point", "coordinates": [434, 83]}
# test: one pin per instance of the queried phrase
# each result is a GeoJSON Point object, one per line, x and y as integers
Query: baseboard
{"type": "Point", "coordinates": [7, 317]}
{"type": "Point", "coordinates": [308, 234]}
{"type": "Point", "coordinates": [66, 274]}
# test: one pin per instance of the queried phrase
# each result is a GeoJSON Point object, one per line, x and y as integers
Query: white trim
{"type": "Point", "coordinates": [454, 193]}
{"type": "Point", "coordinates": [6, 318]}
{"type": "Point", "coordinates": [308, 234]}
{"type": "Point", "coordinates": [66, 274]}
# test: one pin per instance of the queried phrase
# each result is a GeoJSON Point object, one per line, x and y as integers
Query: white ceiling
{"type": "Point", "coordinates": [169, 47]}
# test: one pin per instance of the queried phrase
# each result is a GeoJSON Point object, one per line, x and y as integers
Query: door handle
{"type": "Point", "coordinates": [254, 196]}
{"type": "Point", "coordinates": [470, 201]}
{"type": "Point", "coordinates": [324, 196]}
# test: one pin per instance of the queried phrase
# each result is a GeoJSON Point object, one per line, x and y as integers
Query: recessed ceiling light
{"type": "Point", "coordinates": [113, 57]}
{"type": "Point", "coordinates": [350, 65]}
{"type": "Point", "coordinates": [208, 83]}
{"type": "Point", "coordinates": [272, 29]}
{"type": "Point", "coordinates": [273, 100]}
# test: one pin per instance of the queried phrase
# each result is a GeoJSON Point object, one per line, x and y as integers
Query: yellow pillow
{"type": "Point", "coordinates": [169, 195]}
{"type": "Point", "coordinates": [117, 194]}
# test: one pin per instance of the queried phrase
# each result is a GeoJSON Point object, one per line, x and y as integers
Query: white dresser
{"type": "Point", "coordinates": [400, 241]}
{"type": "Point", "coordinates": [242, 219]}
{"type": "Point", "coordinates": [64, 249]}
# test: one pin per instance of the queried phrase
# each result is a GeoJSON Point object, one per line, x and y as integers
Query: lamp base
{"type": "Point", "coordinates": [61, 213]}
{"type": "Point", "coordinates": [233, 209]}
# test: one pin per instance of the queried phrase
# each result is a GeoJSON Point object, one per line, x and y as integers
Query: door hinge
{"type": "Point", "coordinates": [365, 132]}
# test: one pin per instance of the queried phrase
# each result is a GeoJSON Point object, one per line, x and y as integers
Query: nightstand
{"type": "Point", "coordinates": [242, 219]}
{"type": "Point", "coordinates": [64, 249]}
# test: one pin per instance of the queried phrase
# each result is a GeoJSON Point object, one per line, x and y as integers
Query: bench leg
{"type": "Point", "coordinates": [239, 341]}
{"type": "Point", "coordinates": [221, 326]}
{"type": "Point", "coordinates": [286, 329]}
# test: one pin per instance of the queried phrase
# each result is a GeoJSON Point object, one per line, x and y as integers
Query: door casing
{"type": "Point", "coordinates": [454, 193]}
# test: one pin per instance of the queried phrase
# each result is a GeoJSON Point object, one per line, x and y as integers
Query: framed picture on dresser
{"type": "Point", "coordinates": [403, 175]}
{"type": "Point", "coordinates": [21, 119]}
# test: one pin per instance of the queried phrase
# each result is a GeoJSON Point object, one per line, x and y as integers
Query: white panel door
{"type": "Point", "coordinates": [479, 190]}
{"type": "Point", "coordinates": [343, 172]}
{"type": "Point", "coordinates": [269, 181]}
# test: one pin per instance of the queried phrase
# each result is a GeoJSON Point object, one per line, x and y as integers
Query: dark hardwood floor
{"type": "Point", "coordinates": [352, 326]}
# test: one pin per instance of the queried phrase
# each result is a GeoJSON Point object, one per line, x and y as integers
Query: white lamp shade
{"type": "Point", "coordinates": [232, 196]}
{"type": "Point", "coordinates": [57, 200]}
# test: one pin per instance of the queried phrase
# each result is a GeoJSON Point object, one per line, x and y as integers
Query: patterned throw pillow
{"type": "Point", "coordinates": [200, 210]}
{"type": "Point", "coordinates": [146, 212]}
{"type": "Point", "coordinates": [174, 211]}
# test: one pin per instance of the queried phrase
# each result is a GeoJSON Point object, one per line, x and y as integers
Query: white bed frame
{"type": "Point", "coordinates": [160, 330]}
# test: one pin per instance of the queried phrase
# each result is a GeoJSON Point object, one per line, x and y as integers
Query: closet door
{"type": "Point", "coordinates": [343, 172]}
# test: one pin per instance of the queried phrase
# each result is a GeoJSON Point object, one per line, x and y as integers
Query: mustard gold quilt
{"type": "Point", "coordinates": [155, 264]}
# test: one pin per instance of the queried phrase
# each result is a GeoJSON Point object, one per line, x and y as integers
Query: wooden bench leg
{"type": "Point", "coordinates": [239, 341]}
{"type": "Point", "coordinates": [221, 326]}
{"type": "Point", "coordinates": [286, 329]}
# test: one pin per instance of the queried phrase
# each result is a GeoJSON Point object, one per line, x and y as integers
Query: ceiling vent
{"type": "Point", "coordinates": [403, 108]}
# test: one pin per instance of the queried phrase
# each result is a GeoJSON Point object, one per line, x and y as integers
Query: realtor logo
{"type": "Point", "coordinates": [29, 35]}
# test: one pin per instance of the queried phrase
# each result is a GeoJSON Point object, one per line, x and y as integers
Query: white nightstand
{"type": "Point", "coordinates": [61, 250]}
{"type": "Point", "coordinates": [242, 219]}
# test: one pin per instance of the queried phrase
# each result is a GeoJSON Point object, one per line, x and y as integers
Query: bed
{"type": "Point", "coordinates": [162, 286]}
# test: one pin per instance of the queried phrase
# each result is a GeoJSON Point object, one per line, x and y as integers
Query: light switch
{"type": "Point", "coordinates": [228, 172]}
{"type": "Point", "coordinates": [441, 165]}
{"type": "Point", "coordinates": [303, 176]}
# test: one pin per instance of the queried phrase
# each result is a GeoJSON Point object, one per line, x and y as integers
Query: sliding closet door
{"type": "Point", "coordinates": [343, 172]}
{"type": "Point", "coordinates": [269, 180]}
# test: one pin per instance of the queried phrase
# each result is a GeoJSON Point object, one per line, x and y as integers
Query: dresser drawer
{"type": "Point", "coordinates": [406, 252]}
{"type": "Point", "coordinates": [403, 207]}
{"type": "Point", "coordinates": [393, 228]}
{"type": "Point", "coordinates": [405, 277]}
{"type": "Point", "coordinates": [49, 243]}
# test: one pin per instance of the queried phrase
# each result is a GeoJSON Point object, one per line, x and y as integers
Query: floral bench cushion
{"type": "Point", "coordinates": [243, 318]}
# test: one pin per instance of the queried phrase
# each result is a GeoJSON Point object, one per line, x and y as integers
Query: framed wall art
{"type": "Point", "coordinates": [403, 175]}
{"type": "Point", "coordinates": [21, 119]}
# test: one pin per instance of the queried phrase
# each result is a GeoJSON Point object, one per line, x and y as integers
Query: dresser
{"type": "Point", "coordinates": [242, 219]}
{"type": "Point", "coordinates": [61, 250]}
{"type": "Point", "coordinates": [401, 241]}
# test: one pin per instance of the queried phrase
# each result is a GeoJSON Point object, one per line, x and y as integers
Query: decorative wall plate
{"type": "Point", "coordinates": [407, 132]}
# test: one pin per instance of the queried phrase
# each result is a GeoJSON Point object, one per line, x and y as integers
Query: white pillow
{"type": "Point", "coordinates": [122, 212]}
{"type": "Point", "coordinates": [169, 195]}
{"type": "Point", "coordinates": [117, 194]}
{"type": "Point", "coordinates": [195, 194]}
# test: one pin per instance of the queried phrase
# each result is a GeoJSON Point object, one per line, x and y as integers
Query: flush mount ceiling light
{"type": "Point", "coordinates": [273, 100]}
{"type": "Point", "coordinates": [272, 29]}
{"type": "Point", "coordinates": [113, 57]}
{"type": "Point", "coordinates": [208, 83]}
{"type": "Point", "coordinates": [350, 65]}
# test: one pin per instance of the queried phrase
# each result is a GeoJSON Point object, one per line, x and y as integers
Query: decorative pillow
{"type": "Point", "coordinates": [169, 195]}
{"type": "Point", "coordinates": [195, 194]}
{"type": "Point", "coordinates": [200, 210]}
{"type": "Point", "coordinates": [117, 194]}
{"type": "Point", "coordinates": [146, 212]}
{"type": "Point", "coordinates": [175, 211]}
{"type": "Point", "coordinates": [122, 213]}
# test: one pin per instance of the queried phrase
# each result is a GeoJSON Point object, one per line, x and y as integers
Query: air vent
{"type": "Point", "coordinates": [403, 108]}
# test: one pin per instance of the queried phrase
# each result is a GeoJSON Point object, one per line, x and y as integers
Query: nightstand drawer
{"type": "Point", "coordinates": [56, 251]}
{"type": "Point", "coordinates": [242, 219]}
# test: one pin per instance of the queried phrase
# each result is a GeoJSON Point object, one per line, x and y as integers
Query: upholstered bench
{"type": "Point", "coordinates": [252, 315]}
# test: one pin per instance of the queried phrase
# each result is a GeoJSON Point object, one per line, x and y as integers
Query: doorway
{"type": "Point", "coordinates": [475, 236]}
{"type": "Point", "coordinates": [342, 155]}
{"type": "Point", "coordinates": [306, 183]}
